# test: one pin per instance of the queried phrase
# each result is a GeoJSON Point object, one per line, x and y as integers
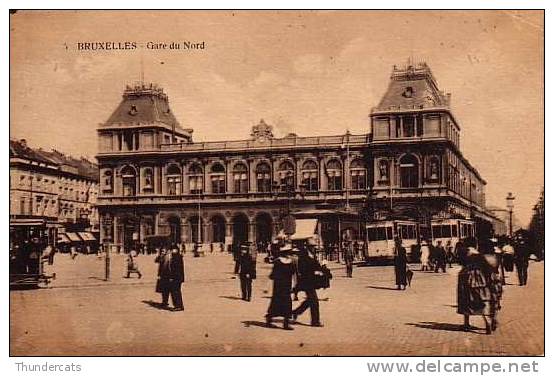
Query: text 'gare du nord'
{"type": "Point", "coordinates": [155, 181]}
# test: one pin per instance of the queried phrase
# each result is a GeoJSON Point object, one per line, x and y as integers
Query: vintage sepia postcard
{"type": "Point", "coordinates": [228, 183]}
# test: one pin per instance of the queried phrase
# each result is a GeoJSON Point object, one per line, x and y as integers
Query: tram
{"type": "Point", "coordinates": [380, 239]}
{"type": "Point", "coordinates": [28, 240]}
{"type": "Point", "coordinates": [451, 230]}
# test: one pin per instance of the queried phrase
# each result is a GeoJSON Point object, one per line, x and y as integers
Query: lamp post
{"type": "Point", "coordinates": [510, 205]}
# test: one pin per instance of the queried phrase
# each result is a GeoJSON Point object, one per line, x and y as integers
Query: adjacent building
{"type": "Point", "coordinates": [155, 180]}
{"type": "Point", "coordinates": [52, 188]}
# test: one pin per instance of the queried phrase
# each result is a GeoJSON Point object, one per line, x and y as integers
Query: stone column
{"type": "Point", "coordinates": [228, 176]}
{"type": "Point", "coordinates": [164, 184]}
{"type": "Point", "coordinates": [115, 228]}
{"type": "Point", "coordinates": [185, 177]}
{"type": "Point", "coordinates": [322, 177]}
{"type": "Point", "coordinates": [205, 232]}
{"type": "Point", "coordinates": [252, 231]}
{"type": "Point", "coordinates": [184, 230]}
{"type": "Point", "coordinates": [297, 173]}
{"type": "Point", "coordinates": [228, 233]}
{"type": "Point", "coordinates": [251, 175]}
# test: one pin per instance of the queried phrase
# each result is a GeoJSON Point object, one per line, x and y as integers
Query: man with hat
{"type": "Point", "coordinates": [247, 271]}
{"type": "Point", "coordinates": [308, 272]}
{"type": "Point", "coordinates": [281, 302]}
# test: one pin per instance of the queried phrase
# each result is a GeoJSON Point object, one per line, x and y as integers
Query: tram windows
{"type": "Point", "coordinates": [454, 231]}
{"type": "Point", "coordinates": [407, 231]}
{"type": "Point", "coordinates": [379, 233]}
{"type": "Point", "coordinates": [443, 231]}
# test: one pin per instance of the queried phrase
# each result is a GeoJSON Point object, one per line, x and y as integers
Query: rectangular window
{"type": "Point", "coordinates": [218, 184]}
{"type": "Point", "coordinates": [408, 126]}
{"type": "Point", "coordinates": [128, 140]}
{"type": "Point", "coordinates": [263, 181]}
{"type": "Point", "coordinates": [196, 186]}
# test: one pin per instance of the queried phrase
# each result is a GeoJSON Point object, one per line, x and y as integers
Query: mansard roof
{"type": "Point", "coordinates": [82, 167]}
{"type": "Point", "coordinates": [412, 87]}
{"type": "Point", "coordinates": [143, 104]}
{"type": "Point", "coordinates": [19, 149]}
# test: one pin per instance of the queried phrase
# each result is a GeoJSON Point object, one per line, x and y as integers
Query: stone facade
{"type": "Point", "coordinates": [154, 180]}
{"type": "Point", "coordinates": [52, 186]}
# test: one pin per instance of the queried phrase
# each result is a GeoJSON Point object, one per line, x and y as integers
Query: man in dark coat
{"type": "Point", "coordinates": [440, 254]}
{"type": "Point", "coordinates": [308, 270]}
{"type": "Point", "coordinates": [400, 263]}
{"type": "Point", "coordinates": [247, 272]}
{"type": "Point", "coordinates": [348, 258]}
{"type": "Point", "coordinates": [236, 255]}
{"type": "Point", "coordinates": [172, 275]}
{"type": "Point", "coordinates": [281, 302]}
{"type": "Point", "coordinates": [521, 259]}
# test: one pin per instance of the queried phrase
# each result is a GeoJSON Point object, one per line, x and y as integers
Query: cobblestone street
{"type": "Point", "coordinates": [80, 314]}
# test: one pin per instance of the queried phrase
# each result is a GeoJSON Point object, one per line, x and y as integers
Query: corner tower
{"type": "Point", "coordinates": [143, 120]}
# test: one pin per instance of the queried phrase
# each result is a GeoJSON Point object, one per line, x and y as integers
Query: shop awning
{"type": "Point", "coordinates": [73, 237]}
{"type": "Point", "coordinates": [62, 238]}
{"type": "Point", "coordinates": [305, 228]}
{"type": "Point", "coordinates": [87, 236]}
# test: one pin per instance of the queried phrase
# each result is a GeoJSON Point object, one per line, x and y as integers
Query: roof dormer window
{"type": "Point", "coordinates": [408, 92]}
{"type": "Point", "coordinates": [133, 111]}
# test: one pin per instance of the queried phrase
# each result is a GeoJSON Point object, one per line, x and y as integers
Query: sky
{"type": "Point", "coordinates": [307, 72]}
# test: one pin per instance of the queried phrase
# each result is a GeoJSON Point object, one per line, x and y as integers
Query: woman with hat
{"type": "Point", "coordinates": [281, 302]}
{"type": "Point", "coordinates": [400, 264]}
{"type": "Point", "coordinates": [479, 292]}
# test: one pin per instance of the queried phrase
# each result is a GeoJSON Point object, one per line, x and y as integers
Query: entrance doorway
{"type": "Point", "coordinates": [218, 229]}
{"type": "Point", "coordinates": [130, 234]}
{"type": "Point", "coordinates": [195, 229]}
{"type": "Point", "coordinates": [240, 228]}
{"type": "Point", "coordinates": [174, 230]}
{"type": "Point", "coordinates": [264, 228]}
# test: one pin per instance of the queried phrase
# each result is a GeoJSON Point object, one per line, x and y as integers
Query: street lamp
{"type": "Point", "coordinates": [510, 205]}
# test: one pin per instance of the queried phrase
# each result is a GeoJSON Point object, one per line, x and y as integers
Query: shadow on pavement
{"type": "Point", "coordinates": [383, 288]}
{"type": "Point", "coordinates": [261, 324]}
{"type": "Point", "coordinates": [154, 304]}
{"type": "Point", "coordinates": [230, 297]}
{"type": "Point", "coordinates": [440, 326]}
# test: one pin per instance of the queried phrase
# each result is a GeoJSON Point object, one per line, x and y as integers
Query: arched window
{"type": "Point", "coordinates": [309, 175]}
{"type": "Point", "coordinates": [409, 172]}
{"type": "Point", "coordinates": [129, 181]}
{"type": "Point", "coordinates": [240, 178]}
{"type": "Point", "coordinates": [196, 179]}
{"type": "Point", "coordinates": [148, 180]}
{"type": "Point", "coordinates": [263, 177]}
{"type": "Point", "coordinates": [286, 175]}
{"type": "Point", "coordinates": [334, 175]}
{"type": "Point", "coordinates": [433, 169]}
{"type": "Point", "coordinates": [173, 176]}
{"type": "Point", "coordinates": [217, 178]}
{"type": "Point", "coordinates": [358, 174]}
{"type": "Point", "coordinates": [107, 181]}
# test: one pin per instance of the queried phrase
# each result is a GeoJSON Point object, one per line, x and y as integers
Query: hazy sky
{"type": "Point", "coordinates": [312, 73]}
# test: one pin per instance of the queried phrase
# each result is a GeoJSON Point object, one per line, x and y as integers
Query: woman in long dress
{"type": "Point", "coordinates": [281, 302]}
{"type": "Point", "coordinates": [400, 264]}
{"type": "Point", "coordinates": [479, 288]}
